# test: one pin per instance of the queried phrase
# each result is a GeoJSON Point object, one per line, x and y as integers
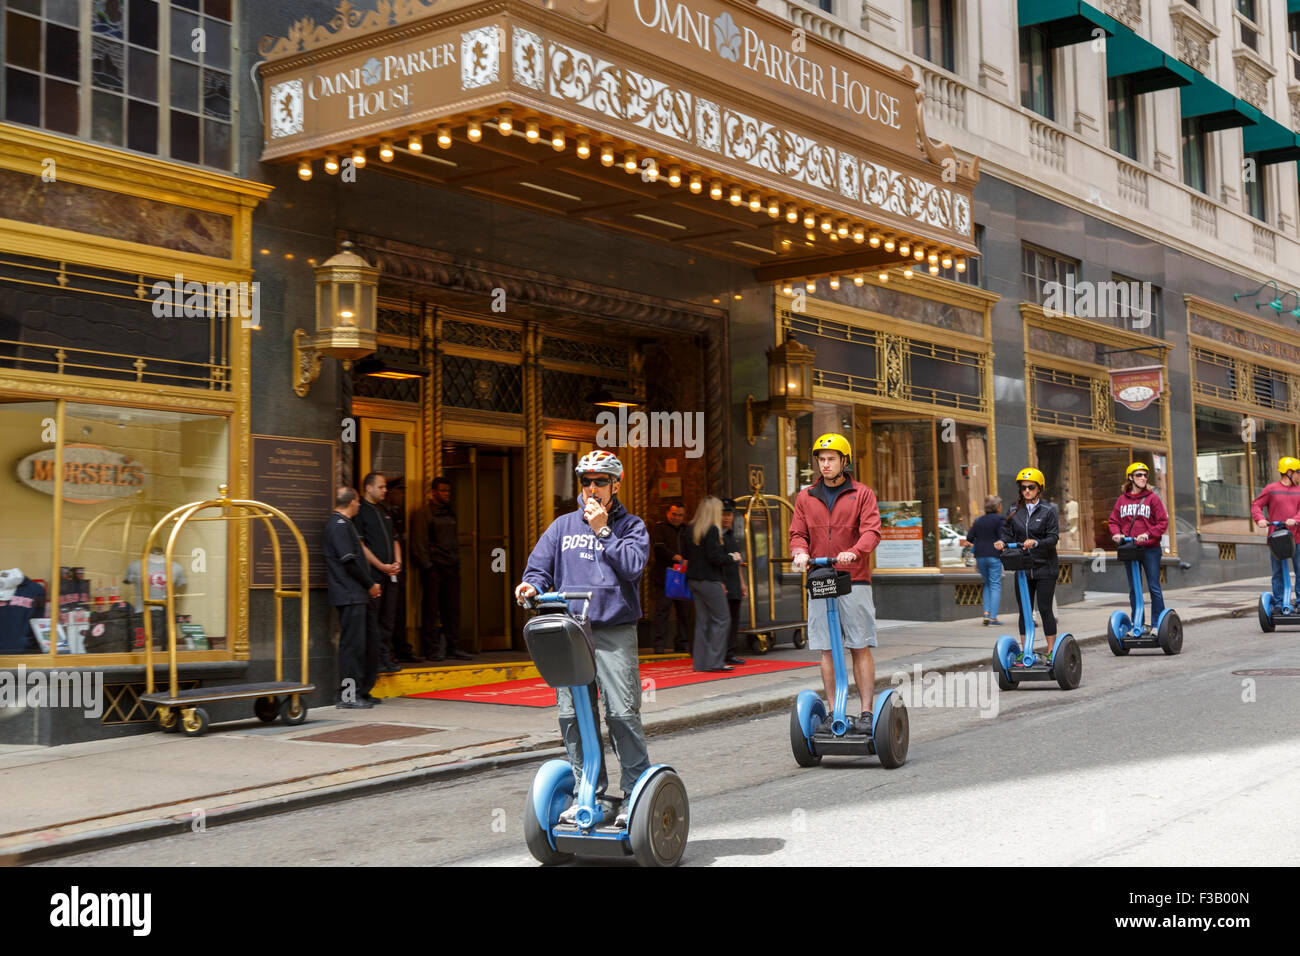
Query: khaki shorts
{"type": "Point", "coordinates": [857, 612]}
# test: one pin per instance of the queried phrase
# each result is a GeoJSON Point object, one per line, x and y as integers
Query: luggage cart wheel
{"type": "Point", "coordinates": [800, 640]}
{"type": "Point", "coordinates": [760, 643]}
{"type": "Point", "coordinates": [169, 720]}
{"type": "Point", "coordinates": [266, 709]}
{"type": "Point", "coordinates": [194, 721]}
{"type": "Point", "coordinates": [293, 711]}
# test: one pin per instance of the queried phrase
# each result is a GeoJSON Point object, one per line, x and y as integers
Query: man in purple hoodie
{"type": "Point", "coordinates": [603, 549]}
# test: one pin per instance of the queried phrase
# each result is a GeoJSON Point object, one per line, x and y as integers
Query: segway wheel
{"type": "Point", "coordinates": [1171, 634]}
{"type": "Point", "coordinates": [266, 709]}
{"type": "Point", "coordinates": [1116, 626]}
{"type": "Point", "coordinates": [1067, 663]}
{"type": "Point", "coordinates": [660, 821]}
{"type": "Point", "coordinates": [999, 667]}
{"type": "Point", "coordinates": [535, 837]}
{"type": "Point", "coordinates": [799, 639]}
{"type": "Point", "coordinates": [1266, 613]}
{"type": "Point", "coordinates": [891, 733]}
{"type": "Point", "coordinates": [803, 754]}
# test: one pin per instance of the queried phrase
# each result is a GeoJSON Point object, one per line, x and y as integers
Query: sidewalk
{"type": "Point", "coordinates": [78, 797]}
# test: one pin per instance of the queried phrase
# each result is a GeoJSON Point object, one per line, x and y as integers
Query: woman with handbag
{"type": "Point", "coordinates": [1139, 514]}
{"type": "Point", "coordinates": [1034, 525]}
{"type": "Point", "coordinates": [705, 561]}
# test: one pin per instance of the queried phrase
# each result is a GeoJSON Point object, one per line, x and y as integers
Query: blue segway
{"type": "Point", "coordinates": [1011, 664]}
{"type": "Point", "coordinates": [658, 811]}
{"type": "Point", "coordinates": [811, 737]}
{"type": "Point", "coordinates": [1123, 633]}
{"type": "Point", "coordinates": [1271, 614]}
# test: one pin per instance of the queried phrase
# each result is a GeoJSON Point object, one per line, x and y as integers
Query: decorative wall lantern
{"type": "Point", "coordinates": [345, 317]}
{"type": "Point", "coordinates": [789, 387]}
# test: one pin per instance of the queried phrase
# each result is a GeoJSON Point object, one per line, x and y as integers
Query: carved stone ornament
{"type": "Point", "coordinates": [1192, 36]}
{"type": "Point", "coordinates": [348, 23]}
{"type": "Point", "coordinates": [1127, 12]}
{"type": "Point", "coordinates": [594, 13]}
{"type": "Point", "coordinates": [941, 154]}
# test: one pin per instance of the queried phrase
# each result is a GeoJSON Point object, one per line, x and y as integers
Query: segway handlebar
{"type": "Point", "coordinates": [550, 597]}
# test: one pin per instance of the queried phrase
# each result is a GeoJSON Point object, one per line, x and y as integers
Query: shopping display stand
{"type": "Point", "coordinates": [180, 709]}
{"type": "Point", "coordinates": [761, 636]}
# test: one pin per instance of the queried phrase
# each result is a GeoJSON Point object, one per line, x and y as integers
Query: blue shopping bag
{"type": "Point", "coordinates": [675, 583]}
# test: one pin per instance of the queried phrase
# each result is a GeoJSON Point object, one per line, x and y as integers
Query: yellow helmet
{"type": "Point", "coordinates": [1136, 466]}
{"type": "Point", "coordinates": [1288, 464]}
{"type": "Point", "coordinates": [1030, 474]}
{"type": "Point", "coordinates": [833, 442]}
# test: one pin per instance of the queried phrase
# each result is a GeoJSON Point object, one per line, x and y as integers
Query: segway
{"type": "Point", "coordinates": [658, 812]}
{"type": "Point", "coordinates": [1010, 663]}
{"type": "Point", "coordinates": [1124, 633]}
{"type": "Point", "coordinates": [811, 737]}
{"type": "Point", "coordinates": [1282, 544]}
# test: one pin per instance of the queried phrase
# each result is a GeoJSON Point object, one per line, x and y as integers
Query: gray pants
{"type": "Point", "coordinates": [712, 624]}
{"type": "Point", "coordinates": [619, 678]}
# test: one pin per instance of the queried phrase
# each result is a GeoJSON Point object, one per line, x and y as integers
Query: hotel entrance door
{"type": "Point", "coordinates": [486, 488]}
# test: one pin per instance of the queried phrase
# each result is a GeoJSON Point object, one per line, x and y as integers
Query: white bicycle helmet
{"type": "Point", "coordinates": [600, 462]}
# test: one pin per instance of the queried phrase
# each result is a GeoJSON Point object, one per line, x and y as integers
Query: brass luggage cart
{"type": "Point", "coordinates": [179, 709]}
{"type": "Point", "coordinates": [761, 637]}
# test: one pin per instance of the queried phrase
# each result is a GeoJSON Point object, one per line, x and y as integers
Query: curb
{"type": "Point", "coordinates": [758, 703]}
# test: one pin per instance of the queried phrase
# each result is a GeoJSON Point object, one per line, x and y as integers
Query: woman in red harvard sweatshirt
{"type": "Point", "coordinates": [1140, 514]}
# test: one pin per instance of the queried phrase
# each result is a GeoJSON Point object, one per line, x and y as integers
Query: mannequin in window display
{"type": "Point", "coordinates": [156, 576]}
{"type": "Point", "coordinates": [21, 601]}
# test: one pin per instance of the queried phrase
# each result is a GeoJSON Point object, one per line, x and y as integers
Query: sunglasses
{"type": "Point", "coordinates": [1140, 474]}
{"type": "Point", "coordinates": [1029, 486]}
{"type": "Point", "coordinates": [602, 482]}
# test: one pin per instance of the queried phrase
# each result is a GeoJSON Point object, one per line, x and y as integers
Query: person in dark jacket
{"type": "Point", "coordinates": [435, 549]}
{"type": "Point", "coordinates": [375, 525]}
{"type": "Point", "coordinates": [986, 530]}
{"type": "Point", "coordinates": [351, 589]}
{"type": "Point", "coordinates": [706, 564]}
{"type": "Point", "coordinates": [733, 580]}
{"type": "Point", "coordinates": [604, 549]}
{"type": "Point", "coordinates": [1033, 524]}
{"type": "Point", "coordinates": [669, 548]}
{"type": "Point", "coordinates": [1139, 514]}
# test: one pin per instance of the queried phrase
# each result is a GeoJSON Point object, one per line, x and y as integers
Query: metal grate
{"type": "Point", "coordinates": [1065, 574]}
{"type": "Point", "coordinates": [392, 390]}
{"type": "Point", "coordinates": [122, 704]}
{"type": "Point", "coordinates": [478, 336]}
{"type": "Point", "coordinates": [1227, 552]}
{"type": "Point", "coordinates": [398, 322]}
{"type": "Point", "coordinates": [565, 395]}
{"type": "Point", "coordinates": [585, 353]}
{"type": "Point", "coordinates": [482, 385]}
{"type": "Point", "coordinates": [969, 595]}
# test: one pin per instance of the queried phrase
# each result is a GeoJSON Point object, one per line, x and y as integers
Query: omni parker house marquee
{"type": "Point", "coordinates": [767, 146]}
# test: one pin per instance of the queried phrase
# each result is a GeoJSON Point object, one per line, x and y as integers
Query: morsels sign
{"type": "Point", "coordinates": [91, 473]}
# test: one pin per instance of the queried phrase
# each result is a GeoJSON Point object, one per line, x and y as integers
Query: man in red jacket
{"type": "Point", "coordinates": [1282, 499]}
{"type": "Point", "coordinates": [1139, 514]}
{"type": "Point", "coordinates": [838, 517]}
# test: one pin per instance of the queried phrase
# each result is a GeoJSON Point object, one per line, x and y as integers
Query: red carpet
{"type": "Point", "coordinates": [534, 692]}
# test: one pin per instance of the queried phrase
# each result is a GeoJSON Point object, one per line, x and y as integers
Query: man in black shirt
{"type": "Point", "coordinates": [375, 526]}
{"type": "Point", "coordinates": [669, 546]}
{"type": "Point", "coordinates": [733, 580]}
{"type": "Point", "coordinates": [435, 548]}
{"type": "Point", "coordinates": [351, 590]}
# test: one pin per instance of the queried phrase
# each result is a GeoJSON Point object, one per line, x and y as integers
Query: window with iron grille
{"type": "Point", "coordinates": [1041, 267]}
{"type": "Point", "coordinates": [153, 76]}
{"type": "Point", "coordinates": [482, 385]}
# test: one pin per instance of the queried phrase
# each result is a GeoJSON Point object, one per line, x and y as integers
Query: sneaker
{"type": "Point", "coordinates": [862, 723]}
{"type": "Point", "coordinates": [987, 622]}
{"type": "Point", "coordinates": [620, 821]}
{"type": "Point", "coordinates": [569, 815]}
{"type": "Point", "coordinates": [827, 721]}
{"type": "Point", "coordinates": [994, 621]}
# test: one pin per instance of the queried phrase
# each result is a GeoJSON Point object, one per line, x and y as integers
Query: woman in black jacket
{"type": "Point", "coordinates": [1034, 525]}
{"type": "Point", "coordinates": [705, 561]}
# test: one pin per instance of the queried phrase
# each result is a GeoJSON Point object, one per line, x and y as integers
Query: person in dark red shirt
{"type": "Point", "coordinates": [1282, 501]}
{"type": "Point", "coordinates": [1140, 514]}
{"type": "Point", "coordinates": [838, 517]}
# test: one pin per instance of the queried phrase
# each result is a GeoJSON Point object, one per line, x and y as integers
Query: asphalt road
{"type": "Point", "coordinates": [1152, 761]}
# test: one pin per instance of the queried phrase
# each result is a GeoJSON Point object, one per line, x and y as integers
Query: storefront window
{"type": "Point", "coordinates": [903, 473]}
{"type": "Point", "coordinates": [1222, 472]}
{"type": "Point", "coordinates": [26, 430]}
{"type": "Point", "coordinates": [1056, 460]}
{"type": "Point", "coordinates": [1273, 440]}
{"type": "Point", "coordinates": [963, 485]}
{"type": "Point", "coordinates": [1101, 473]}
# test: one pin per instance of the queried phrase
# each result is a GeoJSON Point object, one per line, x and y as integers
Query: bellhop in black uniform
{"type": "Point", "coordinates": [349, 590]}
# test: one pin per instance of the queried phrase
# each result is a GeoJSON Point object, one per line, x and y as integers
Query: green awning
{"type": "Point", "coordinates": [1148, 67]}
{"type": "Point", "coordinates": [1217, 108]}
{"type": "Point", "coordinates": [1066, 22]}
{"type": "Point", "coordinates": [1293, 6]}
{"type": "Point", "coordinates": [1270, 142]}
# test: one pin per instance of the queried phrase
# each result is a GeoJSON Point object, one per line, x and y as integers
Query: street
{"type": "Point", "coordinates": [1152, 761]}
